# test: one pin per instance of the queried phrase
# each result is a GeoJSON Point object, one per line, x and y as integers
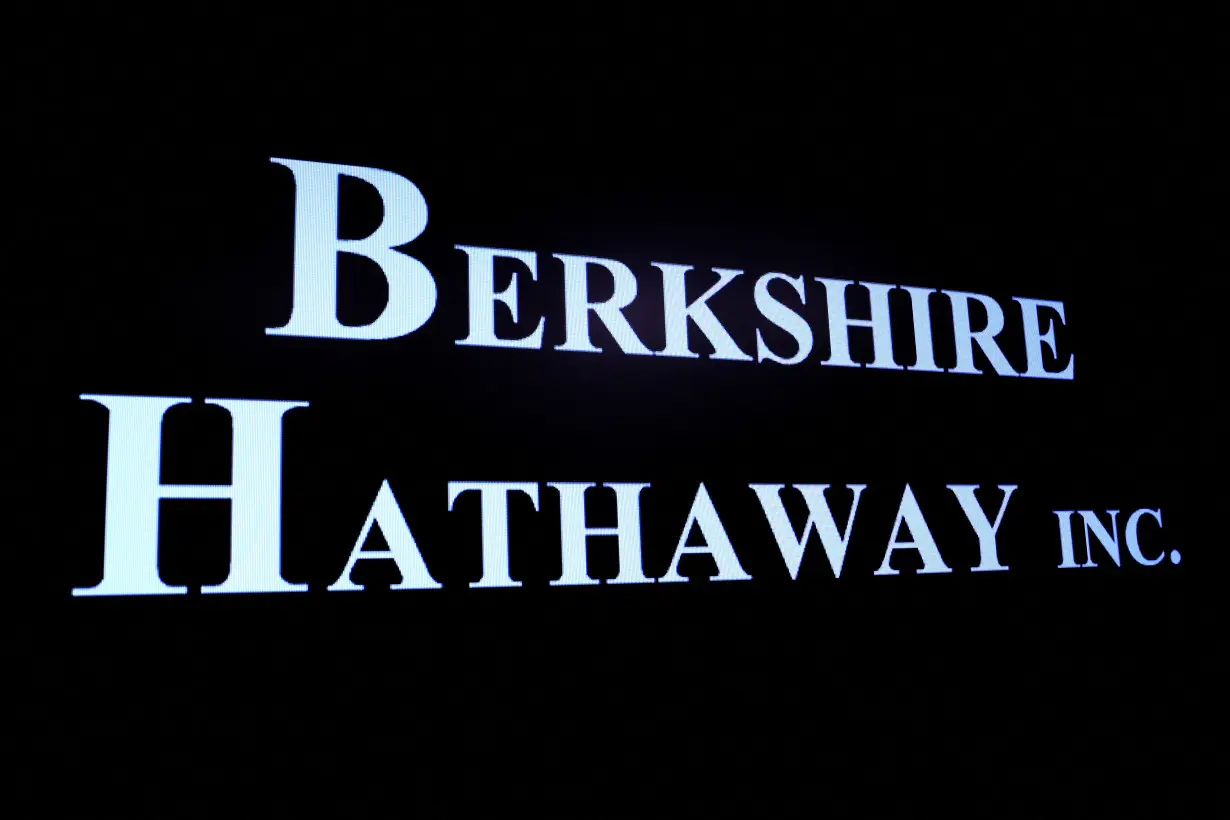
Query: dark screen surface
{"type": "Point", "coordinates": [1059, 159]}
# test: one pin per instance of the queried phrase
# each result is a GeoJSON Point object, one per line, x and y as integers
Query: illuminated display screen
{"type": "Point", "coordinates": [477, 449]}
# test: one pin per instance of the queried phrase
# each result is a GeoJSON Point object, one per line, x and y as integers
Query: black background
{"type": "Point", "coordinates": [1061, 157]}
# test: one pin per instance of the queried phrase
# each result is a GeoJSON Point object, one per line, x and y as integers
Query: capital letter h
{"type": "Point", "coordinates": [134, 489]}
